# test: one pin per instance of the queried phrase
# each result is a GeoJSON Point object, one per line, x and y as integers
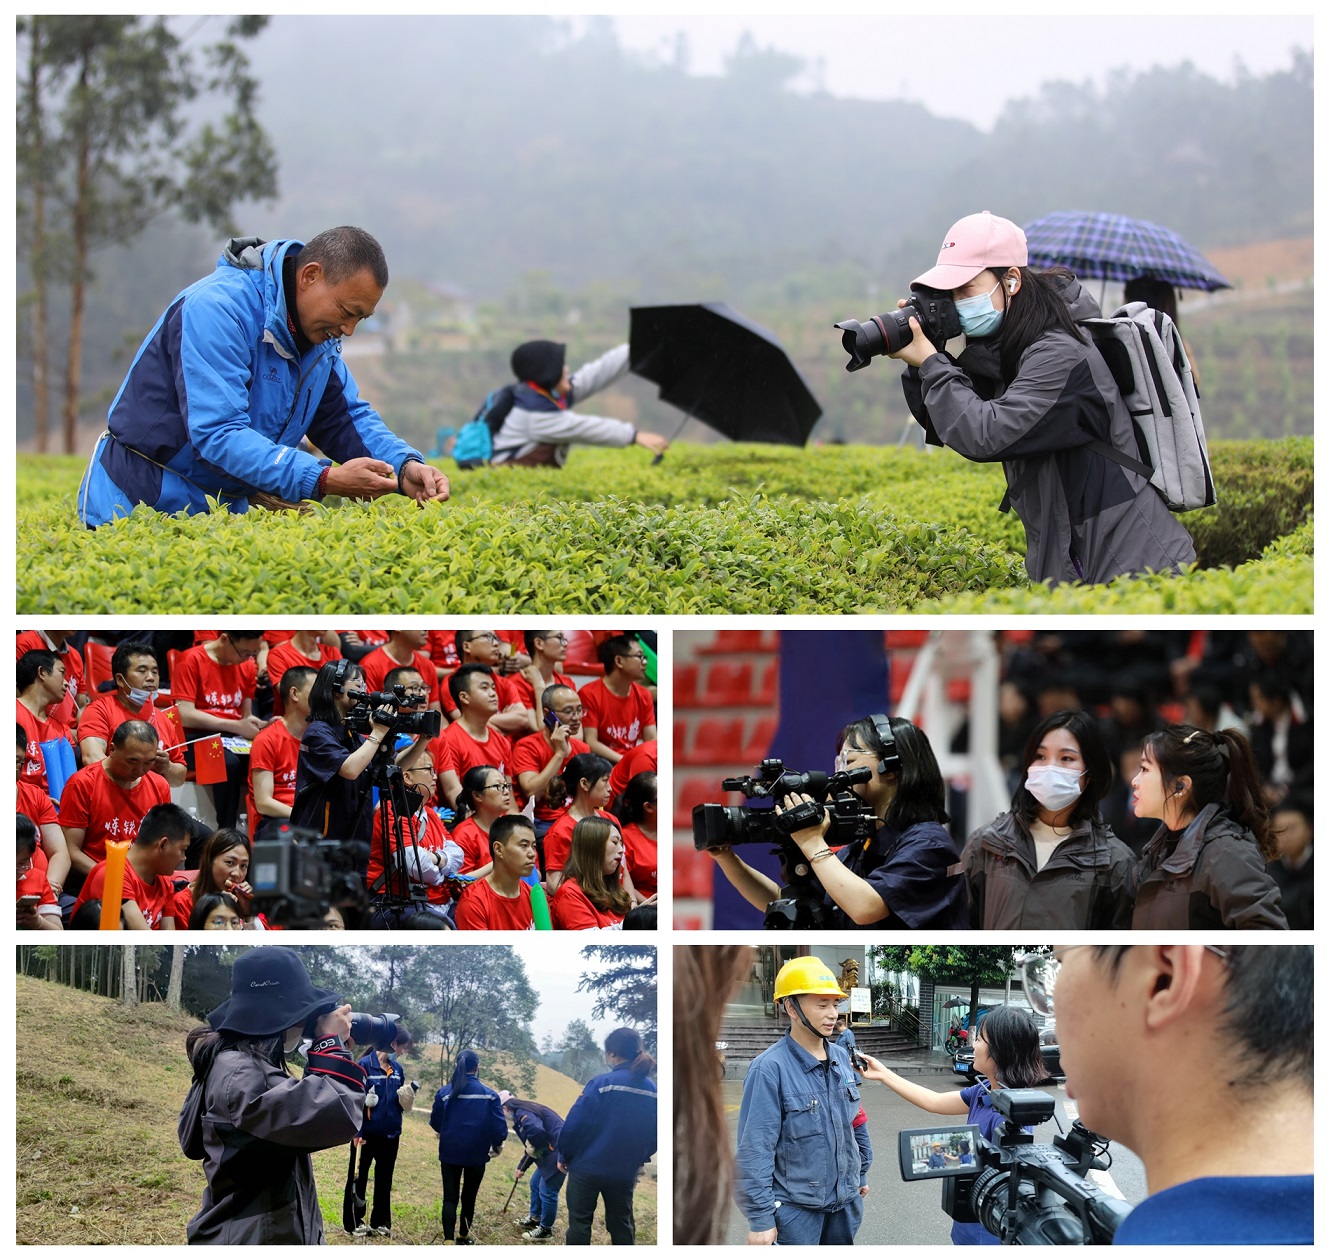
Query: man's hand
{"type": "Point", "coordinates": [423, 483]}
{"type": "Point", "coordinates": [653, 442]}
{"type": "Point", "coordinates": [559, 738]}
{"type": "Point", "coordinates": [762, 1238]}
{"type": "Point", "coordinates": [361, 478]}
{"type": "Point", "coordinates": [248, 727]}
{"type": "Point", "coordinates": [863, 1192]}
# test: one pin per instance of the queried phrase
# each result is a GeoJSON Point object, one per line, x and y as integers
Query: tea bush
{"type": "Point", "coordinates": [713, 529]}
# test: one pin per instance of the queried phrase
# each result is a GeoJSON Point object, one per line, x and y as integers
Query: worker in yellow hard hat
{"type": "Point", "coordinates": [801, 1166]}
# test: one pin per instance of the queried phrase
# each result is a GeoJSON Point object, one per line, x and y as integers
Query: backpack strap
{"type": "Point", "coordinates": [1102, 448]}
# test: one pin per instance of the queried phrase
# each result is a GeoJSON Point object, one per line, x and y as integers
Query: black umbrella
{"type": "Point", "coordinates": [729, 372]}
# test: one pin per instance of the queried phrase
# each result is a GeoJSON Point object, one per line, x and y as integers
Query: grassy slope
{"type": "Point", "coordinates": [98, 1092]}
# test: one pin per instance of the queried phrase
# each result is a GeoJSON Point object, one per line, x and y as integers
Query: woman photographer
{"type": "Point", "coordinates": [1006, 1053]}
{"type": "Point", "coordinates": [1052, 862]}
{"type": "Point", "coordinates": [1030, 389]}
{"type": "Point", "coordinates": [249, 1120]}
{"type": "Point", "coordinates": [1205, 866]}
{"type": "Point", "coordinates": [332, 796]}
{"type": "Point", "coordinates": [904, 876]}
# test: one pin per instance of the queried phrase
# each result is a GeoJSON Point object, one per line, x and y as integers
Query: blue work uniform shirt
{"type": "Point", "coordinates": [917, 874]}
{"type": "Point", "coordinates": [796, 1141]}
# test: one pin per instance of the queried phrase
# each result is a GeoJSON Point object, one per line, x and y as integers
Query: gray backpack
{"type": "Point", "coordinates": [1144, 352]}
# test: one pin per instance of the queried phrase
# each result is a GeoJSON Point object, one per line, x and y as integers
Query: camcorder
{"type": "Point", "coordinates": [379, 1031]}
{"type": "Point", "coordinates": [715, 826]}
{"type": "Point", "coordinates": [1023, 1191]}
{"type": "Point", "coordinates": [935, 309]}
{"type": "Point", "coordinates": [395, 709]}
{"type": "Point", "coordinates": [297, 874]}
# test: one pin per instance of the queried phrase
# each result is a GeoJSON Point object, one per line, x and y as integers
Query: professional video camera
{"type": "Point", "coordinates": [800, 904]}
{"type": "Point", "coordinates": [368, 703]}
{"type": "Point", "coordinates": [1023, 1191]}
{"type": "Point", "coordinates": [935, 309]}
{"type": "Point", "coordinates": [298, 874]}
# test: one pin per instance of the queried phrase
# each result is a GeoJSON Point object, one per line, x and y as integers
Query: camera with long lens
{"type": "Point", "coordinates": [935, 309]}
{"type": "Point", "coordinates": [298, 875]}
{"type": "Point", "coordinates": [851, 819]}
{"type": "Point", "coordinates": [405, 722]}
{"type": "Point", "coordinates": [379, 1031]}
{"type": "Point", "coordinates": [1023, 1191]}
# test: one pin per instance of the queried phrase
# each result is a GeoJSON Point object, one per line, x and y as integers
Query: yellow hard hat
{"type": "Point", "coordinates": [806, 975]}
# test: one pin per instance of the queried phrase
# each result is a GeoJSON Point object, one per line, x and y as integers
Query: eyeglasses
{"type": "Point", "coordinates": [563, 638]}
{"type": "Point", "coordinates": [1039, 974]}
{"type": "Point", "coordinates": [488, 636]}
{"type": "Point", "coordinates": [505, 786]}
{"type": "Point", "coordinates": [427, 770]}
{"type": "Point", "coordinates": [573, 710]}
{"type": "Point", "coordinates": [220, 922]}
{"type": "Point", "coordinates": [633, 656]}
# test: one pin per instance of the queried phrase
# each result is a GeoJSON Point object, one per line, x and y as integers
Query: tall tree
{"type": "Point", "coordinates": [624, 985]}
{"type": "Point", "coordinates": [129, 991]}
{"type": "Point", "coordinates": [579, 1052]}
{"type": "Point", "coordinates": [123, 147]}
{"type": "Point", "coordinates": [975, 965]}
{"type": "Point", "coordinates": [177, 976]}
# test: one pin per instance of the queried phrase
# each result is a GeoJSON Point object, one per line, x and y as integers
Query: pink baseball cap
{"type": "Point", "coordinates": [973, 244]}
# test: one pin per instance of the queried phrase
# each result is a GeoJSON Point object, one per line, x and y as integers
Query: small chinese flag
{"type": "Point", "coordinates": [209, 761]}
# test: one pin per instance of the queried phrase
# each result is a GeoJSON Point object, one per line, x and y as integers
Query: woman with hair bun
{"type": "Point", "coordinates": [609, 1134]}
{"type": "Point", "coordinates": [470, 1134]}
{"type": "Point", "coordinates": [1052, 862]}
{"type": "Point", "coordinates": [1205, 866]}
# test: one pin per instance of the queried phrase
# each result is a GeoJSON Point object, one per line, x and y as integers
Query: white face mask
{"type": "Point", "coordinates": [138, 697]}
{"type": "Point", "coordinates": [1054, 787]}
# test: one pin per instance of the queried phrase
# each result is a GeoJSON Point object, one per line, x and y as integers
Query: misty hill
{"type": "Point", "coordinates": [96, 1149]}
{"type": "Point", "coordinates": [524, 183]}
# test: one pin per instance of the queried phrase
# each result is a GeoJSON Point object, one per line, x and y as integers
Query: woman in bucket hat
{"type": "Point", "coordinates": [252, 1123]}
{"type": "Point", "coordinates": [1031, 390]}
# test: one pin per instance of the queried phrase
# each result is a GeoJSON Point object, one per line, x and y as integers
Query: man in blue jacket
{"type": "Point", "coordinates": [799, 1172]}
{"type": "Point", "coordinates": [242, 366]}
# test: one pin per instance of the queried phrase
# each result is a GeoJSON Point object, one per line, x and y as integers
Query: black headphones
{"type": "Point", "coordinates": [891, 759]}
{"type": "Point", "coordinates": [343, 667]}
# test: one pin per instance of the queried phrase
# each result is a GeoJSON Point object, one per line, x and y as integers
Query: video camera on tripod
{"type": "Point", "coordinates": [715, 826]}
{"type": "Point", "coordinates": [393, 709]}
{"type": "Point", "coordinates": [297, 874]}
{"type": "Point", "coordinates": [1021, 1190]}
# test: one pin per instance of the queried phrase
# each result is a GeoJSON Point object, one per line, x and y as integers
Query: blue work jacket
{"type": "Point", "coordinates": [796, 1140]}
{"type": "Point", "coordinates": [218, 399]}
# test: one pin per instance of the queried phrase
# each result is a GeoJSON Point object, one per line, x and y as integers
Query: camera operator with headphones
{"type": "Point", "coordinates": [249, 1120]}
{"type": "Point", "coordinates": [332, 796]}
{"type": "Point", "coordinates": [908, 874]}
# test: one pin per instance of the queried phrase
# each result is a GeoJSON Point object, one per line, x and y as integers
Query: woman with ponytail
{"type": "Point", "coordinates": [609, 1134]}
{"type": "Point", "coordinates": [1205, 866]}
{"type": "Point", "coordinates": [469, 1135]}
{"type": "Point", "coordinates": [586, 780]}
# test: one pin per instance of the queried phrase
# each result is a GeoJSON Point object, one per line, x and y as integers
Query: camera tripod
{"type": "Point", "coordinates": [800, 905]}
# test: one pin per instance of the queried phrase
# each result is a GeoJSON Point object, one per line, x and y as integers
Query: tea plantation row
{"type": "Point", "coordinates": [713, 529]}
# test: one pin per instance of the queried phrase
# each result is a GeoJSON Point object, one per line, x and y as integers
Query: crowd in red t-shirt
{"type": "Point", "coordinates": [233, 686]}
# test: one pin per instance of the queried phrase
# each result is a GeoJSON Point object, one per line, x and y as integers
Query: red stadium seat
{"type": "Point", "coordinates": [906, 639]}
{"type": "Point", "coordinates": [1173, 712]}
{"type": "Point", "coordinates": [694, 791]}
{"type": "Point", "coordinates": [715, 742]}
{"type": "Point", "coordinates": [694, 873]}
{"type": "Point", "coordinates": [768, 685]}
{"type": "Point", "coordinates": [958, 690]}
{"type": "Point", "coordinates": [759, 740]}
{"type": "Point", "coordinates": [688, 922]}
{"type": "Point", "coordinates": [582, 658]}
{"type": "Point", "coordinates": [685, 686]}
{"type": "Point", "coordinates": [742, 641]}
{"type": "Point", "coordinates": [900, 676]}
{"type": "Point", "coordinates": [96, 665]}
{"type": "Point", "coordinates": [728, 684]}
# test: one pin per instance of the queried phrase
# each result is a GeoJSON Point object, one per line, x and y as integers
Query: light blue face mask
{"type": "Point", "coordinates": [978, 316]}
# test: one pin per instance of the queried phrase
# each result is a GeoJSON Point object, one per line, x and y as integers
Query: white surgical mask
{"type": "Point", "coordinates": [1054, 787]}
{"type": "Point", "coordinates": [138, 697]}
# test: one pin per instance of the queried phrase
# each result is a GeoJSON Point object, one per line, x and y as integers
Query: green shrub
{"type": "Point", "coordinates": [717, 529]}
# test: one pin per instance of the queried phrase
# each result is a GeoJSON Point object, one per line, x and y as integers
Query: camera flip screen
{"type": "Point", "coordinates": [939, 1152]}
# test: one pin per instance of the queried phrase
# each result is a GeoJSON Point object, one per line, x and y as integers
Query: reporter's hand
{"type": "Point", "coordinates": [653, 442]}
{"type": "Point", "coordinates": [336, 1023]}
{"type": "Point", "coordinates": [424, 483]}
{"type": "Point", "coordinates": [361, 478]}
{"type": "Point", "coordinates": [917, 349]}
{"type": "Point", "coordinates": [875, 1071]}
{"type": "Point", "coordinates": [762, 1238]}
{"type": "Point", "coordinates": [810, 838]}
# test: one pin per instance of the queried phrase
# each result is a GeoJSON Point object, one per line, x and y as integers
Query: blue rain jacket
{"type": "Point", "coordinates": [796, 1141]}
{"type": "Point", "coordinates": [470, 1127]}
{"type": "Point", "coordinates": [217, 401]}
{"type": "Point", "coordinates": [611, 1129]}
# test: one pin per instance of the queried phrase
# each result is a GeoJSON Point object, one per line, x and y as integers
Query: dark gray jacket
{"type": "Point", "coordinates": [257, 1127]}
{"type": "Point", "coordinates": [1086, 518]}
{"type": "Point", "coordinates": [1212, 875]}
{"type": "Point", "coordinates": [1085, 884]}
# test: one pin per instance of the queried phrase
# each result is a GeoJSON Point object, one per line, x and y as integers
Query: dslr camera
{"type": "Point", "coordinates": [1025, 1192]}
{"type": "Point", "coordinates": [800, 904]}
{"type": "Point", "coordinates": [379, 1031]}
{"type": "Point", "coordinates": [935, 309]}
{"type": "Point", "coordinates": [297, 874]}
{"type": "Point", "coordinates": [370, 704]}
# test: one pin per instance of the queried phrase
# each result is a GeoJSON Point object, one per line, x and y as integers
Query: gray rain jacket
{"type": "Point", "coordinates": [1086, 518]}
{"type": "Point", "coordinates": [256, 1127]}
{"type": "Point", "coordinates": [1211, 875]}
{"type": "Point", "coordinates": [1085, 884]}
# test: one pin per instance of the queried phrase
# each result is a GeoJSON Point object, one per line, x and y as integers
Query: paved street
{"type": "Point", "coordinates": [899, 1212]}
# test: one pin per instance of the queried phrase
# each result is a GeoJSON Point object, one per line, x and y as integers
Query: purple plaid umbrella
{"type": "Point", "coordinates": [1114, 247]}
